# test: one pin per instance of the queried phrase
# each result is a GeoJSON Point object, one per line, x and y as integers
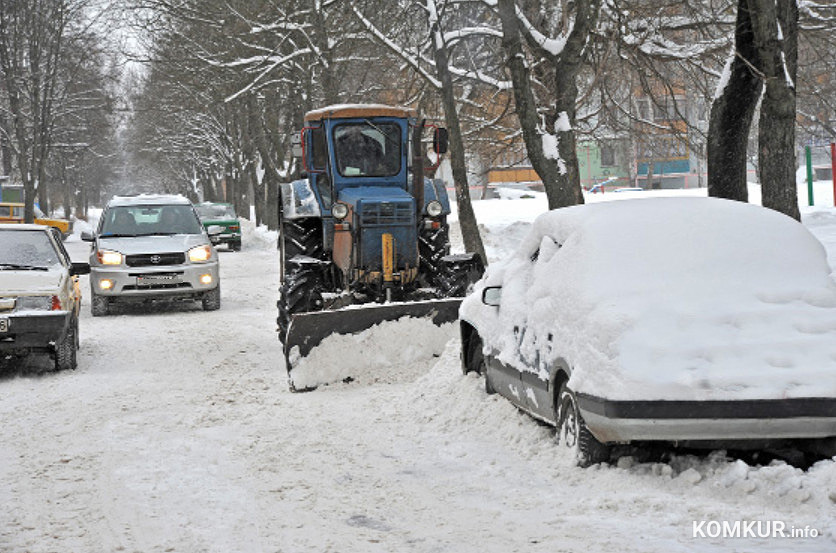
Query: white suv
{"type": "Point", "coordinates": [151, 247]}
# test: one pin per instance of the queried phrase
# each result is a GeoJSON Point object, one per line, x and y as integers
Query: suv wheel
{"type": "Point", "coordinates": [65, 350]}
{"type": "Point", "coordinates": [99, 305]}
{"type": "Point", "coordinates": [212, 299]}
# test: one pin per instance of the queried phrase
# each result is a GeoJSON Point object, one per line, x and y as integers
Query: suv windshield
{"type": "Point", "coordinates": [147, 220]}
{"type": "Point", "coordinates": [215, 211]}
{"type": "Point", "coordinates": [368, 149]}
{"type": "Point", "coordinates": [26, 250]}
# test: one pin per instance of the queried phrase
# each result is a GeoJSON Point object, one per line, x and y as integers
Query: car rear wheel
{"type": "Point", "coordinates": [573, 434]}
{"type": "Point", "coordinates": [211, 300]}
{"type": "Point", "coordinates": [99, 305]}
{"type": "Point", "coordinates": [66, 349]}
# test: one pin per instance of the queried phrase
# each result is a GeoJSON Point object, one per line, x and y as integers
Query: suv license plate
{"type": "Point", "coordinates": [4, 325]}
{"type": "Point", "coordinates": [151, 280]}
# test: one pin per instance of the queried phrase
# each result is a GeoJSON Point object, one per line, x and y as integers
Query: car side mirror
{"type": "Point", "coordinates": [492, 295]}
{"type": "Point", "coordinates": [440, 140]}
{"type": "Point", "coordinates": [79, 269]}
{"type": "Point", "coordinates": [87, 236]}
{"type": "Point", "coordinates": [214, 230]}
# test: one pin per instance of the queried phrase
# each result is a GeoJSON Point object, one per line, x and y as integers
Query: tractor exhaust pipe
{"type": "Point", "coordinates": [418, 169]}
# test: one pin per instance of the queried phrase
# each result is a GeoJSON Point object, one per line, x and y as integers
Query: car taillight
{"type": "Point", "coordinates": [234, 227]}
{"type": "Point", "coordinates": [56, 303]}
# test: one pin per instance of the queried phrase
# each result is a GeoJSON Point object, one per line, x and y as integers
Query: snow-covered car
{"type": "Point", "coordinates": [40, 297]}
{"type": "Point", "coordinates": [698, 321]}
{"type": "Point", "coordinates": [151, 247]}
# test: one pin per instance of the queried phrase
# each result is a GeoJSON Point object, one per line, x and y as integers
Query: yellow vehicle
{"type": "Point", "coordinates": [11, 212]}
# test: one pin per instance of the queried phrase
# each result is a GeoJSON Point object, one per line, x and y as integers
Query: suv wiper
{"type": "Point", "coordinates": [161, 233]}
{"type": "Point", "coordinates": [116, 235]}
{"type": "Point", "coordinates": [16, 267]}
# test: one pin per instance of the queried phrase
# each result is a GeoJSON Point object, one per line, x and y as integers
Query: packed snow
{"type": "Point", "coordinates": [178, 433]}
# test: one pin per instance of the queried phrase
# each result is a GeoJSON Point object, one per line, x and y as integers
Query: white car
{"type": "Point", "coordinates": [698, 321]}
{"type": "Point", "coordinates": [40, 297]}
{"type": "Point", "coordinates": [152, 247]}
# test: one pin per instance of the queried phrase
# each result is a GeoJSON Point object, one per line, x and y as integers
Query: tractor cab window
{"type": "Point", "coordinates": [368, 149]}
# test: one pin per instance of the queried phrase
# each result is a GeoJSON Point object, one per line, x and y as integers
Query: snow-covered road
{"type": "Point", "coordinates": [177, 433]}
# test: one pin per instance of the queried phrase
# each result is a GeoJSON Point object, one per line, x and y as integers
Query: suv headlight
{"type": "Point", "coordinates": [200, 254]}
{"type": "Point", "coordinates": [339, 211]}
{"type": "Point", "coordinates": [434, 208]}
{"type": "Point", "coordinates": [109, 257]}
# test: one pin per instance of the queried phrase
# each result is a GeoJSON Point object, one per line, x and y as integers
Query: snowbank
{"type": "Point", "coordinates": [391, 351]}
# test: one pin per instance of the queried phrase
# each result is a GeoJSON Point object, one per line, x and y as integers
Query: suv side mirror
{"type": "Point", "coordinates": [492, 295]}
{"type": "Point", "coordinates": [440, 140]}
{"type": "Point", "coordinates": [214, 230]}
{"type": "Point", "coordinates": [86, 236]}
{"type": "Point", "coordinates": [79, 269]}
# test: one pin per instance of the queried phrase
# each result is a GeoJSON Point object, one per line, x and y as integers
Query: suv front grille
{"type": "Point", "coordinates": [152, 260]}
{"type": "Point", "coordinates": [387, 213]}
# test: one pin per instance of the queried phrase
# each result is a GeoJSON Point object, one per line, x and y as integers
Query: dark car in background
{"type": "Point", "coordinates": [221, 215]}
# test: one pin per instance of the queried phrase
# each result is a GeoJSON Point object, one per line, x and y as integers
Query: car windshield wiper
{"type": "Point", "coordinates": [161, 233]}
{"type": "Point", "coordinates": [16, 267]}
{"type": "Point", "coordinates": [116, 235]}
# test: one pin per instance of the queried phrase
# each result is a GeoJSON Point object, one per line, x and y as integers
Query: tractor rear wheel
{"type": "Point", "coordinates": [457, 273]}
{"type": "Point", "coordinates": [301, 291]}
{"type": "Point", "coordinates": [301, 237]}
{"type": "Point", "coordinates": [433, 246]}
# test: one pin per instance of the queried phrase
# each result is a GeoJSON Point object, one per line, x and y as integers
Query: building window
{"type": "Point", "coordinates": [607, 156]}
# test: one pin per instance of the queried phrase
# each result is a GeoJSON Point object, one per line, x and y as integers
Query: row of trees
{"type": "Point", "coordinates": [228, 81]}
{"type": "Point", "coordinates": [57, 97]}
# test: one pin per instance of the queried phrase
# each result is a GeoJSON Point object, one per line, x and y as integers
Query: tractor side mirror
{"type": "Point", "coordinates": [440, 140]}
{"type": "Point", "coordinates": [296, 145]}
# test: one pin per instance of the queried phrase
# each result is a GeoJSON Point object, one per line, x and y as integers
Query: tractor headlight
{"type": "Point", "coordinates": [109, 257]}
{"type": "Point", "coordinates": [434, 208]}
{"type": "Point", "coordinates": [200, 254]}
{"type": "Point", "coordinates": [339, 211]}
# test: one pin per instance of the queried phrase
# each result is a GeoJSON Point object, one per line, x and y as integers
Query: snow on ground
{"type": "Point", "coordinates": [177, 433]}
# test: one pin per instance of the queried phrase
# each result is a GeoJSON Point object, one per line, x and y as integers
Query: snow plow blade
{"type": "Point", "coordinates": [307, 330]}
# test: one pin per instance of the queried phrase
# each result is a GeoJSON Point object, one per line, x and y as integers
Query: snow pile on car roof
{"type": "Point", "coordinates": [670, 298]}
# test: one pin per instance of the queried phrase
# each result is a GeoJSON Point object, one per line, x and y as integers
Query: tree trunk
{"type": "Point", "coordinates": [526, 107]}
{"type": "Point", "coordinates": [556, 164]}
{"type": "Point", "coordinates": [467, 217]}
{"type": "Point", "coordinates": [776, 130]}
{"type": "Point", "coordinates": [732, 113]}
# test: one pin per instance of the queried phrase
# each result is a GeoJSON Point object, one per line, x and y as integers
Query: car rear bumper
{"type": "Point", "coordinates": [226, 238]}
{"type": "Point", "coordinates": [624, 421]}
{"type": "Point", "coordinates": [34, 331]}
{"type": "Point", "coordinates": [171, 281]}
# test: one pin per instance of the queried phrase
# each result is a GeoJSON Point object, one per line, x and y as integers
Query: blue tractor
{"type": "Point", "coordinates": [363, 226]}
